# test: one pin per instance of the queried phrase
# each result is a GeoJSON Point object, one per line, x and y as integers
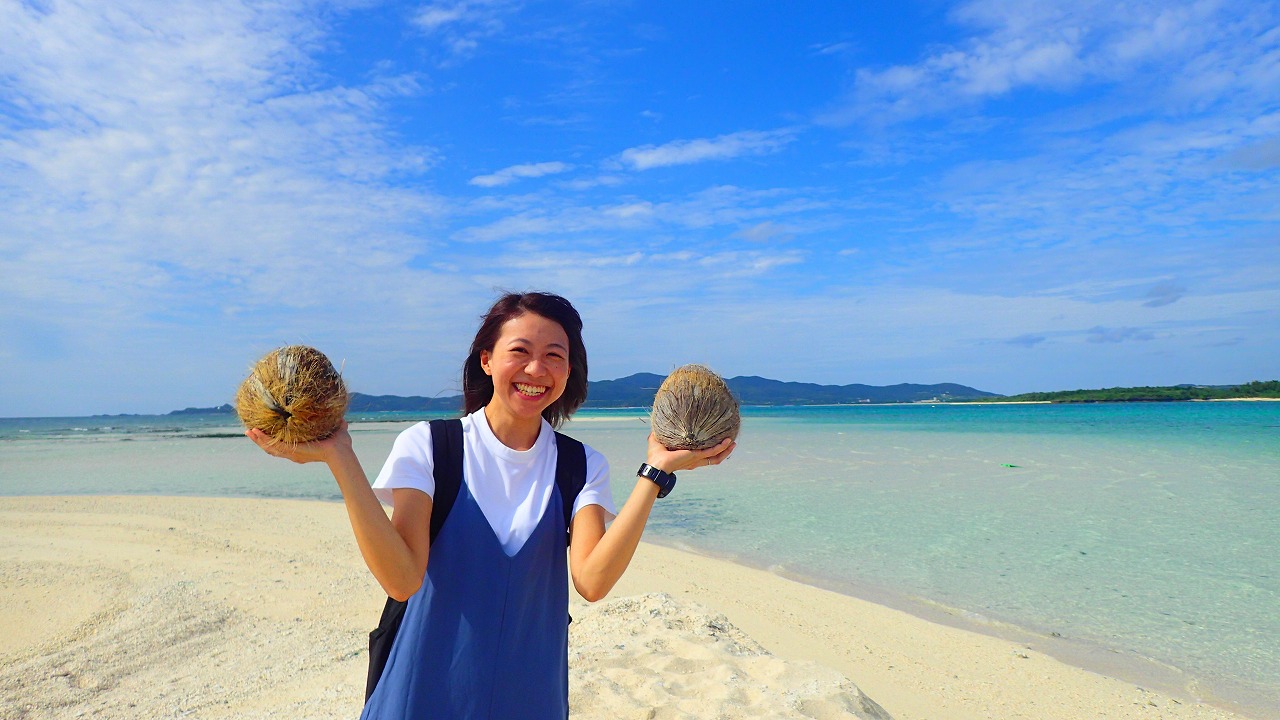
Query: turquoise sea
{"type": "Point", "coordinates": [1142, 540]}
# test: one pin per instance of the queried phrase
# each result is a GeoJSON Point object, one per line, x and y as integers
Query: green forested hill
{"type": "Point", "coordinates": [638, 390]}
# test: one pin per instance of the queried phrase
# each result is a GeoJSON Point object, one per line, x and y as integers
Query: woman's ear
{"type": "Point", "coordinates": [484, 362]}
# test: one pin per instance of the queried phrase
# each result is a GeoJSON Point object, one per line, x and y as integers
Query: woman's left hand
{"type": "Point", "coordinates": [324, 451]}
{"type": "Point", "coordinates": [677, 460]}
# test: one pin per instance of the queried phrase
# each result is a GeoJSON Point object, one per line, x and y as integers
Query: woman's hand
{"type": "Point", "coordinates": [323, 451]}
{"type": "Point", "coordinates": [677, 460]}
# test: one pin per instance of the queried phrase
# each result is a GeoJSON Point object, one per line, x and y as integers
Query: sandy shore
{"type": "Point", "coordinates": [222, 608]}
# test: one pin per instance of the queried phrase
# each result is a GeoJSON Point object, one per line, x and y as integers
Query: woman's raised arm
{"type": "Point", "coordinates": [395, 549]}
{"type": "Point", "coordinates": [597, 558]}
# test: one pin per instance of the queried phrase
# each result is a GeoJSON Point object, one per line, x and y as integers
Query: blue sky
{"type": "Point", "coordinates": [1015, 196]}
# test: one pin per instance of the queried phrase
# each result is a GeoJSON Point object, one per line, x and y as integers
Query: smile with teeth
{"type": "Point", "coordinates": [531, 390]}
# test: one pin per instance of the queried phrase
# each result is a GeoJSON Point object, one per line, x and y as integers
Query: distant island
{"type": "Point", "coordinates": [638, 391]}
{"type": "Point", "coordinates": [1269, 389]}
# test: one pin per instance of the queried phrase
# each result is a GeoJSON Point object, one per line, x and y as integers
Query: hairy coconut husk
{"type": "Point", "coordinates": [694, 410]}
{"type": "Point", "coordinates": [293, 394]}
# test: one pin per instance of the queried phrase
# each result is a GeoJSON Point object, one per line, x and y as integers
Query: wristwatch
{"type": "Point", "coordinates": [664, 480]}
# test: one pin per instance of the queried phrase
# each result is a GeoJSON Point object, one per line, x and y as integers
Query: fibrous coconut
{"type": "Point", "coordinates": [293, 394]}
{"type": "Point", "coordinates": [694, 410]}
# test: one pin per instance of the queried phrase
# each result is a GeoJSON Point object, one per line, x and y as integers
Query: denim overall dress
{"type": "Point", "coordinates": [486, 636]}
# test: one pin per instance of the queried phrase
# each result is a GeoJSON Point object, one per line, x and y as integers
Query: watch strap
{"type": "Point", "coordinates": [664, 480]}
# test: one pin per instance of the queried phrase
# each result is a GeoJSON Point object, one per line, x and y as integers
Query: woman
{"type": "Point", "coordinates": [485, 627]}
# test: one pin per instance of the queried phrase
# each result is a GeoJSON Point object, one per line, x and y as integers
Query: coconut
{"type": "Point", "coordinates": [694, 410]}
{"type": "Point", "coordinates": [293, 394]}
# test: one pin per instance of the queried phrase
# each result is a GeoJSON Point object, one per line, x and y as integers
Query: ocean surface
{"type": "Point", "coordinates": [1137, 539]}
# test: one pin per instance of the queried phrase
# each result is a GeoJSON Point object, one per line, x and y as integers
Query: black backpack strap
{"type": "Point", "coordinates": [446, 455]}
{"type": "Point", "coordinates": [571, 477]}
{"type": "Point", "coordinates": [571, 474]}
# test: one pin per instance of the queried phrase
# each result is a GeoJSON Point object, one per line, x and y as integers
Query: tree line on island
{"type": "Point", "coordinates": [1256, 389]}
{"type": "Point", "coordinates": [638, 391]}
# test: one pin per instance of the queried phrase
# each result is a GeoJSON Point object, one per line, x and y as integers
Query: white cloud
{"type": "Point", "coordinates": [764, 232]}
{"type": "Point", "coordinates": [724, 147]}
{"type": "Point", "coordinates": [432, 17]}
{"type": "Point", "coordinates": [1258, 157]}
{"type": "Point", "coordinates": [594, 182]}
{"type": "Point", "coordinates": [509, 175]}
{"type": "Point", "coordinates": [461, 26]}
{"type": "Point", "coordinates": [890, 333]}
{"type": "Point", "coordinates": [712, 209]}
{"type": "Point", "coordinates": [838, 48]}
{"type": "Point", "coordinates": [166, 165]}
{"type": "Point", "coordinates": [1026, 340]}
{"type": "Point", "coordinates": [1101, 334]}
{"type": "Point", "coordinates": [1165, 293]}
{"type": "Point", "coordinates": [198, 128]}
{"type": "Point", "coordinates": [1195, 49]}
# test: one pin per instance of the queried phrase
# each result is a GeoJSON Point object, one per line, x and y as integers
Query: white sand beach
{"type": "Point", "coordinates": [150, 607]}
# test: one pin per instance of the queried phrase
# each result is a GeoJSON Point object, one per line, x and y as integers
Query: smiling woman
{"type": "Point", "coordinates": [477, 608]}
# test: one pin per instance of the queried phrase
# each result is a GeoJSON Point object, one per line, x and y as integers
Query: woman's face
{"type": "Point", "coordinates": [529, 365]}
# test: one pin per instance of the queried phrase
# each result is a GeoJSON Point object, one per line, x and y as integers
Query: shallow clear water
{"type": "Point", "coordinates": [1151, 530]}
{"type": "Point", "coordinates": [1146, 529]}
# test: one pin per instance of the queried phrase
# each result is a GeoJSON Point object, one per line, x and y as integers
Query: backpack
{"type": "Point", "coordinates": [446, 451]}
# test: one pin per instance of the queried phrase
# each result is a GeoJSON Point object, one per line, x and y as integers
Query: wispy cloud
{"type": "Point", "coordinates": [461, 26]}
{"type": "Point", "coordinates": [510, 174]}
{"type": "Point", "coordinates": [599, 181]}
{"type": "Point", "coordinates": [837, 48]}
{"type": "Point", "coordinates": [434, 17]}
{"type": "Point", "coordinates": [1058, 45]}
{"type": "Point", "coordinates": [1150, 191]}
{"type": "Point", "coordinates": [184, 164]}
{"type": "Point", "coordinates": [1026, 341]}
{"type": "Point", "coordinates": [764, 232]}
{"type": "Point", "coordinates": [1101, 334]}
{"type": "Point", "coordinates": [1165, 293]}
{"type": "Point", "coordinates": [1255, 156]}
{"type": "Point", "coordinates": [723, 147]}
{"type": "Point", "coordinates": [897, 331]}
{"type": "Point", "coordinates": [724, 207]}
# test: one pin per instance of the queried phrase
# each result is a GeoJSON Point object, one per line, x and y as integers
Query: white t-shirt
{"type": "Point", "coordinates": [512, 487]}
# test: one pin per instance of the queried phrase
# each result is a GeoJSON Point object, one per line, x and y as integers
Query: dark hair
{"type": "Point", "coordinates": [477, 387]}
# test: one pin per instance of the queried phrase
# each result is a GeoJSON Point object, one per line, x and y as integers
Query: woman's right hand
{"type": "Point", "coordinates": [317, 451]}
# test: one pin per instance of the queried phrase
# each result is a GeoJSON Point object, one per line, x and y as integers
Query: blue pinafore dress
{"type": "Point", "coordinates": [487, 634]}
